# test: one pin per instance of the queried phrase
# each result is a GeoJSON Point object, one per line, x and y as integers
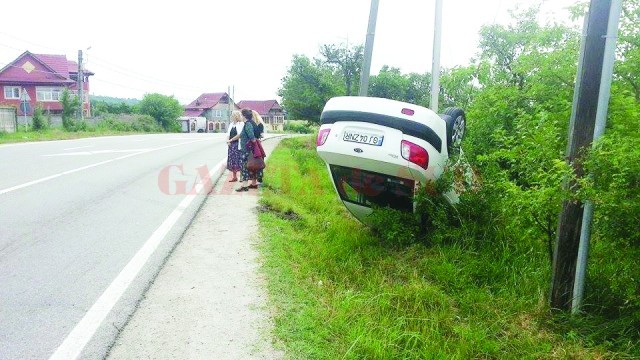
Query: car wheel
{"type": "Point", "coordinates": [456, 126]}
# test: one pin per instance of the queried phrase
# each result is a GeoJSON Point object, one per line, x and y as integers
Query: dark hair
{"type": "Point", "coordinates": [247, 114]}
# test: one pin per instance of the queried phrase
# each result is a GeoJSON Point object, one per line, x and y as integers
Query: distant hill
{"type": "Point", "coordinates": [114, 100]}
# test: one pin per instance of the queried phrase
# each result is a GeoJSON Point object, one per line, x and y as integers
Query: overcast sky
{"type": "Point", "coordinates": [191, 47]}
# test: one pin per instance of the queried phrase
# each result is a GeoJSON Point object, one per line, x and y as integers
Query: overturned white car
{"type": "Point", "coordinates": [378, 151]}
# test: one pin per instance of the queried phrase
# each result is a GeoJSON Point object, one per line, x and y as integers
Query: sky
{"type": "Point", "coordinates": [189, 47]}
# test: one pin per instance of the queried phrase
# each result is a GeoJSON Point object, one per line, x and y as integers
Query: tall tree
{"type": "Point", "coordinates": [347, 61]}
{"type": "Point", "coordinates": [306, 88]}
{"type": "Point", "coordinates": [390, 83]}
{"type": "Point", "coordinates": [628, 49]}
{"type": "Point", "coordinates": [458, 86]}
{"type": "Point", "coordinates": [518, 117]}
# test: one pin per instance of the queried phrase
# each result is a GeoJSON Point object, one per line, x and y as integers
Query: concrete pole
{"type": "Point", "coordinates": [565, 254]}
{"type": "Point", "coordinates": [23, 103]}
{"type": "Point", "coordinates": [435, 64]}
{"type": "Point", "coordinates": [601, 120]}
{"type": "Point", "coordinates": [80, 85]}
{"type": "Point", "coordinates": [368, 49]}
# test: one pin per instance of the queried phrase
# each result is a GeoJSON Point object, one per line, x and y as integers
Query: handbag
{"type": "Point", "coordinates": [255, 163]}
{"type": "Point", "coordinates": [258, 150]}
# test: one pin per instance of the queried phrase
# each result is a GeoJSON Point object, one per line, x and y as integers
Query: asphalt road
{"type": "Point", "coordinates": [84, 227]}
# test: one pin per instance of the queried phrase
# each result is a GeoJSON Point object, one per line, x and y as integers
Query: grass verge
{"type": "Point", "coordinates": [56, 134]}
{"type": "Point", "coordinates": [339, 292]}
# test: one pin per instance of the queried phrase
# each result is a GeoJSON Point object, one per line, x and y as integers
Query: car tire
{"type": "Point", "coordinates": [456, 127]}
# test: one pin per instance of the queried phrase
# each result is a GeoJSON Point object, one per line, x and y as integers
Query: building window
{"type": "Point", "coordinates": [12, 92]}
{"type": "Point", "coordinates": [278, 119]}
{"type": "Point", "coordinates": [48, 94]}
{"type": "Point", "coordinates": [217, 113]}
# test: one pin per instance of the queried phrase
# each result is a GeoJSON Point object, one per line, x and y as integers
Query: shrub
{"type": "Point", "coordinates": [39, 121]}
{"type": "Point", "coordinates": [299, 127]}
{"type": "Point", "coordinates": [146, 123]}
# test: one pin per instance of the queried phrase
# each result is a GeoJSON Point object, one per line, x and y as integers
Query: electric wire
{"type": "Point", "coordinates": [109, 66]}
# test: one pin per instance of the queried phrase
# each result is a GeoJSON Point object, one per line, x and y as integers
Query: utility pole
{"type": "Point", "coordinates": [80, 85]}
{"type": "Point", "coordinates": [435, 65]}
{"type": "Point", "coordinates": [24, 105]}
{"type": "Point", "coordinates": [601, 120]}
{"type": "Point", "coordinates": [580, 138]}
{"type": "Point", "coordinates": [368, 49]}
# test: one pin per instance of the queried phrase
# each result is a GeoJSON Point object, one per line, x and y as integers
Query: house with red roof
{"type": "Point", "coordinates": [40, 79]}
{"type": "Point", "coordinates": [215, 107]}
{"type": "Point", "coordinates": [271, 112]}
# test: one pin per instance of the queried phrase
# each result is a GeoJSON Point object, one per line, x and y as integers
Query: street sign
{"type": "Point", "coordinates": [24, 95]}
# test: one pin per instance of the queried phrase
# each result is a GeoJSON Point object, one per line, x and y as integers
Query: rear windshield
{"type": "Point", "coordinates": [368, 188]}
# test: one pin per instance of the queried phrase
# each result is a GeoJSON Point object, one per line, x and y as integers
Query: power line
{"type": "Point", "coordinates": [31, 43]}
{"type": "Point", "coordinates": [106, 65]}
{"type": "Point", "coordinates": [139, 76]}
{"type": "Point", "coordinates": [94, 80]}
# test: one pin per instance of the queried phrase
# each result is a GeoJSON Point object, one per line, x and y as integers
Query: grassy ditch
{"type": "Point", "coordinates": [341, 291]}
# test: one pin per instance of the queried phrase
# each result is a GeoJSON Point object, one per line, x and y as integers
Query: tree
{"type": "Point", "coordinates": [520, 94]}
{"type": "Point", "coordinates": [346, 61]}
{"type": "Point", "coordinates": [165, 109]}
{"type": "Point", "coordinates": [104, 107]}
{"type": "Point", "coordinates": [69, 107]}
{"type": "Point", "coordinates": [307, 87]}
{"type": "Point", "coordinates": [628, 50]}
{"type": "Point", "coordinates": [458, 86]}
{"type": "Point", "coordinates": [39, 121]}
{"type": "Point", "coordinates": [390, 83]}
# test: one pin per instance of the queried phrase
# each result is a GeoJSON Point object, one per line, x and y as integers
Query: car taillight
{"type": "Point", "coordinates": [415, 154]}
{"type": "Point", "coordinates": [322, 137]}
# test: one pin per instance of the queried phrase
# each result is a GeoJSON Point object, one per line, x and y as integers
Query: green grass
{"type": "Point", "coordinates": [340, 292]}
{"type": "Point", "coordinates": [56, 134]}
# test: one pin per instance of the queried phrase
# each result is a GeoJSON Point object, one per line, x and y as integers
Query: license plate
{"type": "Point", "coordinates": [362, 138]}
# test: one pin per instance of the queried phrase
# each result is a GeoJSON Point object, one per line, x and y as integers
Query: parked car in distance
{"type": "Point", "coordinates": [378, 151]}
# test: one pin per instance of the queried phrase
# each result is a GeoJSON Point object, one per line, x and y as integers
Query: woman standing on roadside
{"type": "Point", "coordinates": [255, 119]}
{"type": "Point", "coordinates": [234, 155]}
{"type": "Point", "coordinates": [245, 137]}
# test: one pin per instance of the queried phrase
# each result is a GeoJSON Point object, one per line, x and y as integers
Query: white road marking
{"type": "Point", "coordinates": [78, 338]}
{"type": "Point", "coordinates": [47, 178]}
{"type": "Point", "coordinates": [98, 152]}
{"type": "Point", "coordinates": [78, 147]}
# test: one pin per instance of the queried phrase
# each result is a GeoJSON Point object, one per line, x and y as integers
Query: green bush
{"type": "Point", "coordinates": [110, 123]}
{"type": "Point", "coordinates": [141, 123]}
{"type": "Point", "coordinates": [146, 123]}
{"type": "Point", "coordinates": [299, 127]}
{"type": "Point", "coordinates": [38, 120]}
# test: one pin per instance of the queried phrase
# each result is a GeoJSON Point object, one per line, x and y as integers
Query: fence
{"type": "Point", "coordinates": [8, 119]}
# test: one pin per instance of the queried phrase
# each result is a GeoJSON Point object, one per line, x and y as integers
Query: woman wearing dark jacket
{"type": "Point", "coordinates": [246, 137]}
{"type": "Point", "coordinates": [255, 119]}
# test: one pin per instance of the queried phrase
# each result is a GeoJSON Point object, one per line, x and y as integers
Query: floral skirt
{"type": "Point", "coordinates": [234, 157]}
{"type": "Point", "coordinates": [246, 174]}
